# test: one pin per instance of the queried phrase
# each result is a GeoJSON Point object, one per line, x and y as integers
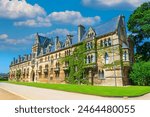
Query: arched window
{"type": "Point", "coordinates": [101, 74]}
{"type": "Point", "coordinates": [88, 45]}
{"type": "Point", "coordinates": [56, 56]}
{"type": "Point", "coordinates": [91, 45]}
{"type": "Point", "coordinates": [109, 42]}
{"type": "Point", "coordinates": [57, 64]}
{"type": "Point", "coordinates": [46, 66]}
{"type": "Point", "coordinates": [106, 58]}
{"type": "Point", "coordinates": [105, 42]}
{"type": "Point", "coordinates": [69, 52]}
{"type": "Point", "coordinates": [125, 56]}
{"type": "Point", "coordinates": [91, 58]}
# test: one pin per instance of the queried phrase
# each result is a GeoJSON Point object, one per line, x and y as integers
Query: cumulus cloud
{"type": "Point", "coordinates": [61, 32]}
{"type": "Point", "coordinates": [73, 17]}
{"type": "Point", "coordinates": [38, 22]}
{"type": "Point", "coordinates": [25, 43]}
{"type": "Point", "coordinates": [65, 17]}
{"type": "Point", "coordinates": [13, 44]}
{"type": "Point", "coordinates": [3, 36]}
{"type": "Point", "coordinates": [112, 3]}
{"type": "Point", "coordinates": [19, 8]}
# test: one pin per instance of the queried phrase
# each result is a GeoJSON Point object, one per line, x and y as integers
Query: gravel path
{"type": "Point", "coordinates": [33, 93]}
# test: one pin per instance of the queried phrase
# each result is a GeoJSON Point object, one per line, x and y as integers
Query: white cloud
{"type": "Point", "coordinates": [72, 17]}
{"type": "Point", "coordinates": [17, 9]}
{"type": "Point", "coordinates": [65, 17]}
{"type": "Point", "coordinates": [61, 32]}
{"type": "Point", "coordinates": [38, 22]}
{"type": "Point", "coordinates": [11, 43]}
{"type": "Point", "coordinates": [111, 3]}
{"type": "Point", "coordinates": [3, 36]}
{"type": "Point", "coordinates": [25, 43]}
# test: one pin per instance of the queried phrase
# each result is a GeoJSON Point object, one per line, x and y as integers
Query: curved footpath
{"type": "Point", "coordinates": [6, 95]}
{"type": "Point", "coordinates": [33, 93]}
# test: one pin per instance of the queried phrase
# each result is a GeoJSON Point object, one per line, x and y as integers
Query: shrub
{"type": "Point", "coordinates": [140, 74]}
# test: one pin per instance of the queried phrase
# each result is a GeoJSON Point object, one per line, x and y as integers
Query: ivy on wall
{"type": "Point", "coordinates": [76, 65]}
{"type": "Point", "coordinates": [18, 75]}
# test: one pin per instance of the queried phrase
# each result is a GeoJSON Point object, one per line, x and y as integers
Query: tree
{"type": "Point", "coordinates": [139, 25]}
{"type": "Point", "coordinates": [144, 50]}
{"type": "Point", "coordinates": [140, 74]}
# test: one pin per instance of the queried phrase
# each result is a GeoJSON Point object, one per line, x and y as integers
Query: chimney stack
{"type": "Point", "coordinates": [56, 41]}
{"type": "Point", "coordinates": [81, 31]}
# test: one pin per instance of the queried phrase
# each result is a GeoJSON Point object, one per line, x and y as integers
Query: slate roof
{"type": "Point", "coordinates": [43, 39]}
{"type": "Point", "coordinates": [105, 28]}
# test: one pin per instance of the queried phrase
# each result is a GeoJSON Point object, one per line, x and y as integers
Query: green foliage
{"type": "Point", "coordinates": [144, 52]}
{"type": "Point", "coordinates": [18, 75]}
{"type": "Point", "coordinates": [93, 90]}
{"type": "Point", "coordinates": [139, 21]}
{"type": "Point", "coordinates": [140, 74]}
{"type": "Point", "coordinates": [76, 60]}
{"type": "Point", "coordinates": [139, 25]}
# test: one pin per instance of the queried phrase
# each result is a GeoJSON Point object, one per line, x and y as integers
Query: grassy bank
{"type": "Point", "coordinates": [130, 91]}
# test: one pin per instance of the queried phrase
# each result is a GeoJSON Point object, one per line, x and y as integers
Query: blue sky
{"type": "Point", "coordinates": [20, 20]}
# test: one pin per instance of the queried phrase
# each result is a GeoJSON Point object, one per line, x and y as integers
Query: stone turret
{"type": "Point", "coordinates": [37, 38]}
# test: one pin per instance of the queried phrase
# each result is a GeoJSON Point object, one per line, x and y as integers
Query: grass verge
{"type": "Point", "coordinates": [109, 91]}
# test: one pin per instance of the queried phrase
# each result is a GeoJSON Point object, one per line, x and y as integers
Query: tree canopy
{"type": "Point", "coordinates": [139, 25]}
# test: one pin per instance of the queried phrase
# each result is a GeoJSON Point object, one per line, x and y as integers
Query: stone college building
{"type": "Point", "coordinates": [108, 56]}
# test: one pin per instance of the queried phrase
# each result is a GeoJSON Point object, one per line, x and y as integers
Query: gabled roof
{"type": "Point", "coordinates": [105, 28]}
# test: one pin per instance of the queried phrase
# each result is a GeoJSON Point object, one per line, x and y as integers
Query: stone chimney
{"type": "Point", "coordinates": [81, 31]}
{"type": "Point", "coordinates": [56, 41]}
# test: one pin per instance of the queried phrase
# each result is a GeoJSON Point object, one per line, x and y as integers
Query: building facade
{"type": "Point", "coordinates": [109, 55]}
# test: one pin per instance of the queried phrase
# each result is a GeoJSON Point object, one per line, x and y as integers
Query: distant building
{"type": "Point", "coordinates": [109, 56]}
{"type": "Point", "coordinates": [4, 75]}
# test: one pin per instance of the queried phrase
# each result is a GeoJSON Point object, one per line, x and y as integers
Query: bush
{"type": "Point", "coordinates": [140, 74]}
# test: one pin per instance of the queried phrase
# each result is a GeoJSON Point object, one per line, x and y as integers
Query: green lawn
{"type": "Point", "coordinates": [130, 91]}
